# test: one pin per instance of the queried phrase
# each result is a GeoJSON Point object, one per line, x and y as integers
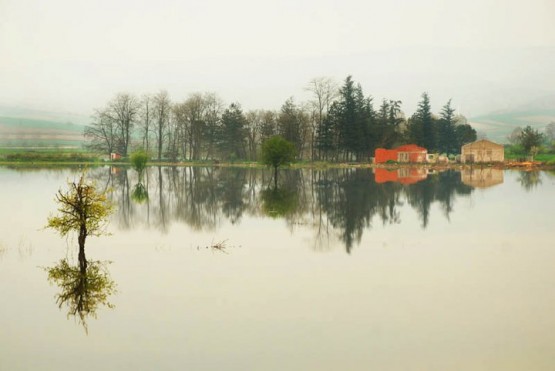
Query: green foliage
{"type": "Point", "coordinates": [388, 123]}
{"type": "Point", "coordinates": [139, 160]}
{"type": "Point", "coordinates": [293, 125]}
{"type": "Point", "coordinates": [446, 134]}
{"type": "Point", "coordinates": [277, 152]}
{"type": "Point", "coordinates": [81, 206]}
{"type": "Point", "coordinates": [423, 124]}
{"type": "Point", "coordinates": [530, 139]}
{"type": "Point", "coordinates": [353, 118]}
{"type": "Point", "coordinates": [326, 138]}
{"type": "Point", "coordinates": [465, 134]}
{"type": "Point", "coordinates": [233, 133]}
{"type": "Point", "coordinates": [446, 131]}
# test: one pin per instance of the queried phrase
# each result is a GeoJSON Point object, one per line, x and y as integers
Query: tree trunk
{"type": "Point", "coordinates": [81, 239]}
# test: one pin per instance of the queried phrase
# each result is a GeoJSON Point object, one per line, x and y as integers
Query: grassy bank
{"type": "Point", "coordinates": [62, 157]}
{"type": "Point", "coordinates": [47, 156]}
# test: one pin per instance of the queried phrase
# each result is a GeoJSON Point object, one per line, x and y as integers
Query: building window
{"type": "Point", "coordinates": [403, 157]}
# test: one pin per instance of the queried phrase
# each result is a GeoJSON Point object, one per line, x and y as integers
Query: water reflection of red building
{"type": "Point", "coordinates": [405, 175]}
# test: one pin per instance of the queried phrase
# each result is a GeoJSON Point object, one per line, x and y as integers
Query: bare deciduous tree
{"type": "Point", "coordinates": [161, 115]}
{"type": "Point", "coordinates": [212, 119]}
{"type": "Point", "coordinates": [325, 90]}
{"type": "Point", "coordinates": [101, 134]}
{"type": "Point", "coordinates": [123, 110]}
{"type": "Point", "coordinates": [146, 121]}
{"type": "Point", "coordinates": [113, 125]}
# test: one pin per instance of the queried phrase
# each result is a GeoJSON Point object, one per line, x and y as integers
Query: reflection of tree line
{"type": "Point", "coordinates": [351, 200]}
{"type": "Point", "coordinates": [341, 201]}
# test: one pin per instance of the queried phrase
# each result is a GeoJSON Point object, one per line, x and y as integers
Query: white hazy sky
{"type": "Point", "coordinates": [73, 55]}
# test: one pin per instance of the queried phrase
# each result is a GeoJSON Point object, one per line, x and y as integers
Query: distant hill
{"type": "Point", "coordinates": [30, 128]}
{"type": "Point", "coordinates": [498, 125]}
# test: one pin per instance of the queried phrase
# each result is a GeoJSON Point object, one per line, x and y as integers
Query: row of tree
{"type": "Point", "coordinates": [338, 124]}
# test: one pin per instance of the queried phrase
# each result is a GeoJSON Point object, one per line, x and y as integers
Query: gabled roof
{"type": "Point", "coordinates": [410, 148]}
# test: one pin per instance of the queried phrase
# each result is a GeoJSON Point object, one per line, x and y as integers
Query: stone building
{"type": "Point", "coordinates": [482, 151]}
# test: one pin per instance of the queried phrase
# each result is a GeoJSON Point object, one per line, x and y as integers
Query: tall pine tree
{"type": "Point", "coordinates": [421, 128]}
{"type": "Point", "coordinates": [446, 135]}
{"type": "Point", "coordinates": [233, 133]}
{"type": "Point", "coordinates": [353, 116]}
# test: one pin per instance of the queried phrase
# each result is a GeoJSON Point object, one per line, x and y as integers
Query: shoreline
{"type": "Point", "coordinates": [525, 166]}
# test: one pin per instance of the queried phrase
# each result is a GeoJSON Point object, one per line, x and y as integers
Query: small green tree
{"type": "Point", "coordinates": [530, 140]}
{"type": "Point", "coordinates": [139, 160]}
{"type": "Point", "coordinates": [276, 152]}
{"type": "Point", "coordinates": [81, 209]}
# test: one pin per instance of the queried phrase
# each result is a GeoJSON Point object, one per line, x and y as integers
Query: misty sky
{"type": "Point", "coordinates": [71, 55]}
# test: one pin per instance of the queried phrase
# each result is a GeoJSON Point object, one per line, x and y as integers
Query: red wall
{"type": "Point", "coordinates": [383, 155]}
{"type": "Point", "coordinates": [416, 154]}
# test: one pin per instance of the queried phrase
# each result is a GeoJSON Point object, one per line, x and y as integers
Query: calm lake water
{"type": "Point", "coordinates": [334, 270]}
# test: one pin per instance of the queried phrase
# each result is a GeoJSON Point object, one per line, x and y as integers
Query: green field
{"type": "Point", "coordinates": [47, 155]}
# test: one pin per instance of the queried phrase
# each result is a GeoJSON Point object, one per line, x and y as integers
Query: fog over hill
{"type": "Point", "coordinates": [478, 80]}
{"type": "Point", "coordinates": [497, 125]}
{"type": "Point", "coordinates": [23, 127]}
{"type": "Point", "coordinates": [67, 56]}
{"type": "Point", "coordinates": [70, 118]}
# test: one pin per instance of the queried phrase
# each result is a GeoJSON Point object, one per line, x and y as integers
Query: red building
{"type": "Point", "coordinates": [406, 153]}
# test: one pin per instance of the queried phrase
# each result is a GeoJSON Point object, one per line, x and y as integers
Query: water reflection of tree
{"type": "Point", "coordinates": [442, 187]}
{"type": "Point", "coordinates": [447, 188]}
{"type": "Point", "coordinates": [350, 198]}
{"type": "Point", "coordinates": [279, 202]}
{"type": "Point", "coordinates": [116, 181]}
{"type": "Point", "coordinates": [140, 193]}
{"type": "Point", "coordinates": [335, 203]}
{"type": "Point", "coordinates": [529, 179]}
{"type": "Point", "coordinates": [233, 191]}
{"type": "Point", "coordinates": [83, 288]}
